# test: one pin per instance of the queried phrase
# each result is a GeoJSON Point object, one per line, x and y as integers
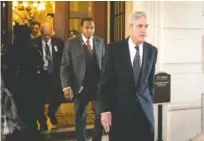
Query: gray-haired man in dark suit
{"type": "Point", "coordinates": [80, 72]}
{"type": "Point", "coordinates": [127, 85]}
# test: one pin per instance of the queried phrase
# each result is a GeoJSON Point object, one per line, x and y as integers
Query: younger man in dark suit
{"type": "Point", "coordinates": [80, 72]}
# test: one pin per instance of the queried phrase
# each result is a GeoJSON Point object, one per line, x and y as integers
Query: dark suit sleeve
{"type": "Point", "coordinates": [106, 84]}
{"type": "Point", "coordinates": [65, 69]}
{"type": "Point", "coordinates": [103, 52]}
{"type": "Point", "coordinates": [61, 46]}
{"type": "Point", "coordinates": [152, 73]}
{"type": "Point", "coordinates": [60, 43]}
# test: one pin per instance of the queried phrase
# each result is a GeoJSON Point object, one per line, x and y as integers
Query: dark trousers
{"type": "Point", "coordinates": [54, 103]}
{"type": "Point", "coordinates": [132, 127]}
{"type": "Point", "coordinates": [27, 108]}
{"type": "Point", "coordinates": [80, 120]}
{"type": "Point", "coordinates": [52, 94]}
{"type": "Point", "coordinates": [52, 109]}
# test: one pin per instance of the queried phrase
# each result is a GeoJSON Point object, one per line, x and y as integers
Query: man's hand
{"type": "Point", "coordinates": [106, 121]}
{"type": "Point", "coordinates": [68, 94]}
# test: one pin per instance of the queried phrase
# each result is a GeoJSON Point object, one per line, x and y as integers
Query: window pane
{"type": "Point", "coordinates": [79, 6]}
{"type": "Point", "coordinates": [74, 27]}
{"type": "Point", "coordinates": [117, 31]}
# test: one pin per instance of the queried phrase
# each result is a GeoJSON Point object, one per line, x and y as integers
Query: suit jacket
{"type": "Point", "coordinates": [73, 64]}
{"type": "Point", "coordinates": [57, 49]}
{"type": "Point", "coordinates": [117, 90]}
{"type": "Point", "coordinates": [22, 62]}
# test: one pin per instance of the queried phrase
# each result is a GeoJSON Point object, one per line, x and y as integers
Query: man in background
{"type": "Point", "coordinates": [51, 49]}
{"type": "Point", "coordinates": [35, 28]}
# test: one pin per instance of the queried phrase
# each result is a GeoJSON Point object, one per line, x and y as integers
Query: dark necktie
{"type": "Point", "coordinates": [88, 45]}
{"type": "Point", "coordinates": [49, 58]}
{"type": "Point", "coordinates": [136, 66]}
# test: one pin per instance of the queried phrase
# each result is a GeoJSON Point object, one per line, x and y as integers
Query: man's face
{"type": "Point", "coordinates": [88, 29]}
{"type": "Point", "coordinates": [46, 34]}
{"type": "Point", "coordinates": [138, 30]}
{"type": "Point", "coordinates": [35, 29]}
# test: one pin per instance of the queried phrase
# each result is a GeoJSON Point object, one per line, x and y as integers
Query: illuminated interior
{"type": "Point", "coordinates": [43, 11]}
{"type": "Point", "coordinates": [78, 10]}
{"type": "Point", "coordinates": [23, 12]}
{"type": "Point", "coordinates": [26, 11]}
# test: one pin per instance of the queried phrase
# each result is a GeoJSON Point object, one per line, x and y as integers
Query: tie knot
{"type": "Point", "coordinates": [46, 42]}
{"type": "Point", "coordinates": [88, 41]}
{"type": "Point", "coordinates": [137, 48]}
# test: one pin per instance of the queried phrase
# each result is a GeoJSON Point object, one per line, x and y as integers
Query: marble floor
{"type": "Point", "coordinates": [64, 130]}
{"type": "Point", "coordinates": [68, 134]}
{"type": "Point", "coordinates": [105, 138]}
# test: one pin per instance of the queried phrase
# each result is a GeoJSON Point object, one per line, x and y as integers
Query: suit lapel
{"type": "Point", "coordinates": [144, 64]}
{"type": "Point", "coordinates": [95, 45]}
{"type": "Point", "coordinates": [98, 51]}
{"type": "Point", "coordinates": [53, 52]}
{"type": "Point", "coordinates": [126, 53]}
{"type": "Point", "coordinates": [79, 51]}
{"type": "Point", "coordinates": [39, 42]}
{"type": "Point", "coordinates": [80, 46]}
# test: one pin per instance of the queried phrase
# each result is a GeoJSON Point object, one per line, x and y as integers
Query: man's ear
{"type": "Point", "coordinates": [130, 28]}
{"type": "Point", "coordinates": [81, 28]}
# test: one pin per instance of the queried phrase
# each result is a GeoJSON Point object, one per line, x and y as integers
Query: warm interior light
{"type": "Point", "coordinates": [15, 3]}
{"type": "Point", "coordinates": [35, 4]}
{"type": "Point", "coordinates": [13, 23]}
{"type": "Point", "coordinates": [16, 16]}
{"type": "Point", "coordinates": [25, 11]}
{"type": "Point", "coordinates": [25, 4]}
{"type": "Point", "coordinates": [41, 7]}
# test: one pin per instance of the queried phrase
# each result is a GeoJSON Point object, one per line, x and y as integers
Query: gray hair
{"type": "Point", "coordinates": [135, 16]}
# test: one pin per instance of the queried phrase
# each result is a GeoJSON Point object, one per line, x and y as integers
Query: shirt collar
{"type": "Point", "coordinates": [85, 39]}
{"type": "Point", "coordinates": [48, 42]}
{"type": "Point", "coordinates": [133, 45]}
{"type": "Point", "coordinates": [32, 36]}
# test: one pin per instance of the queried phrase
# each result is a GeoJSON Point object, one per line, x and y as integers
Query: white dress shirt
{"type": "Point", "coordinates": [133, 51]}
{"type": "Point", "coordinates": [90, 41]}
{"type": "Point", "coordinates": [44, 52]}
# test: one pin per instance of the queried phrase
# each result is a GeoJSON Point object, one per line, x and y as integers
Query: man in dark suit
{"type": "Point", "coordinates": [80, 72]}
{"type": "Point", "coordinates": [127, 85]}
{"type": "Point", "coordinates": [51, 91]}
